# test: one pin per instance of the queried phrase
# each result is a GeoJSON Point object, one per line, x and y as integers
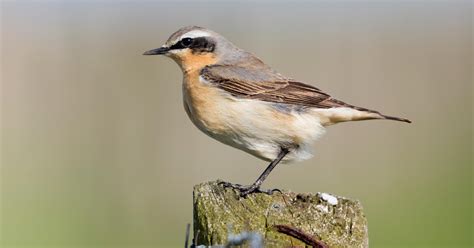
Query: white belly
{"type": "Point", "coordinates": [257, 127]}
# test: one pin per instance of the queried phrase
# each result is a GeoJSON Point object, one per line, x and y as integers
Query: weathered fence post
{"type": "Point", "coordinates": [283, 219]}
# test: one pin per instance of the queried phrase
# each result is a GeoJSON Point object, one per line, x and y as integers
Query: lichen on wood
{"type": "Point", "coordinates": [329, 220]}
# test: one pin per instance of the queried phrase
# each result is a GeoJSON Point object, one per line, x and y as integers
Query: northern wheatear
{"type": "Point", "coordinates": [232, 96]}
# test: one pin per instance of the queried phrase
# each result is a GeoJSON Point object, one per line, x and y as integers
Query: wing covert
{"type": "Point", "coordinates": [263, 83]}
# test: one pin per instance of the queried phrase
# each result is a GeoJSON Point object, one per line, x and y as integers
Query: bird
{"type": "Point", "coordinates": [234, 97]}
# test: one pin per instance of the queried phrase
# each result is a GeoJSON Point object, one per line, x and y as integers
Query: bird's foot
{"type": "Point", "coordinates": [246, 190]}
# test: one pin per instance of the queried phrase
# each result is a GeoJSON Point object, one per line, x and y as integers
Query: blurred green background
{"type": "Point", "coordinates": [97, 151]}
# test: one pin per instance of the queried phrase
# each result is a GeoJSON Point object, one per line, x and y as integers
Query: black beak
{"type": "Point", "coordinates": [157, 51]}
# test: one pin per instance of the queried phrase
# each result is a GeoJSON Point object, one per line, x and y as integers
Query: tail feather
{"type": "Point", "coordinates": [387, 117]}
{"type": "Point", "coordinates": [369, 113]}
{"type": "Point", "coordinates": [378, 114]}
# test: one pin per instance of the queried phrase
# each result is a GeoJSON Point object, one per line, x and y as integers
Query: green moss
{"type": "Point", "coordinates": [217, 209]}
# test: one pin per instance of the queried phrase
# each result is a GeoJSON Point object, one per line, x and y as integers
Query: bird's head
{"type": "Point", "coordinates": [195, 47]}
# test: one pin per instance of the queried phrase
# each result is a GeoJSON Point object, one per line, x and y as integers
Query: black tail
{"type": "Point", "coordinates": [396, 118]}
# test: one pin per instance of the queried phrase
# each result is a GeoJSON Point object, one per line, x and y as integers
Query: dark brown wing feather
{"type": "Point", "coordinates": [267, 85]}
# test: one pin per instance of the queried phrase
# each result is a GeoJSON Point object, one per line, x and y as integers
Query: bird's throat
{"type": "Point", "coordinates": [191, 62]}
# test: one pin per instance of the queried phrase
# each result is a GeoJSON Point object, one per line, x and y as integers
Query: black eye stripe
{"type": "Point", "coordinates": [176, 46]}
{"type": "Point", "coordinates": [186, 42]}
{"type": "Point", "coordinates": [197, 45]}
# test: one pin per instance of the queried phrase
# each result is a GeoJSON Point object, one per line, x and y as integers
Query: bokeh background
{"type": "Point", "coordinates": [97, 151]}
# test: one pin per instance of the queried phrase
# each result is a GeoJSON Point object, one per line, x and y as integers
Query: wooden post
{"type": "Point", "coordinates": [284, 219]}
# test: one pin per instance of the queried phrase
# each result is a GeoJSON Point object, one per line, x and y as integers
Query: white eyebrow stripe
{"type": "Point", "coordinates": [194, 34]}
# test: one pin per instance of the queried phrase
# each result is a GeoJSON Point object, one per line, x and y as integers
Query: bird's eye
{"type": "Point", "coordinates": [186, 42]}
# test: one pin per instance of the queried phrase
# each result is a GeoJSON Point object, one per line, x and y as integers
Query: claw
{"type": "Point", "coordinates": [231, 185]}
{"type": "Point", "coordinates": [247, 190]}
{"type": "Point", "coordinates": [271, 191]}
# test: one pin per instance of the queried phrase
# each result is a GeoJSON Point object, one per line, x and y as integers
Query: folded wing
{"type": "Point", "coordinates": [263, 83]}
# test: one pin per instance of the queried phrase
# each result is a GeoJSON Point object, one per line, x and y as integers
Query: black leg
{"type": "Point", "coordinates": [255, 187]}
